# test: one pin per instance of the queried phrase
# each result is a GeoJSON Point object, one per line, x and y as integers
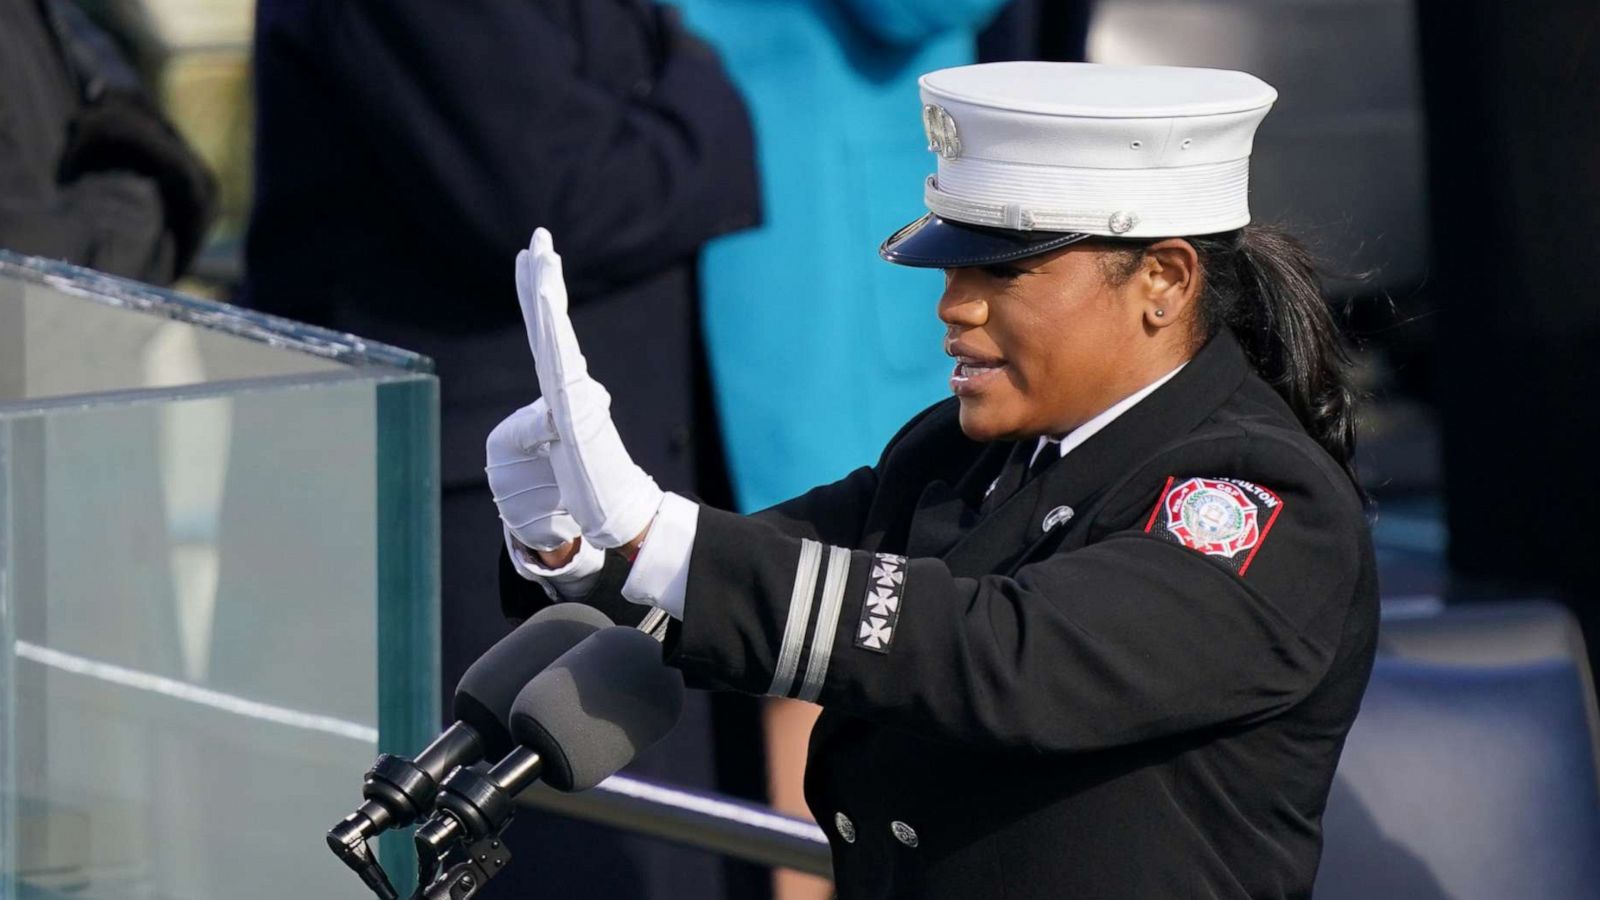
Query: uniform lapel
{"type": "Point", "coordinates": [1011, 529]}
{"type": "Point", "coordinates": [1012, 473]}
{"type": "Point", "coordinates": [946, 511]}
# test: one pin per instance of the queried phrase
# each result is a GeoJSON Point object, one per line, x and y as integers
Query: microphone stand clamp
{"type": "Point", "coordinates": [463, 879]}
{"type": "Point", "coordinates": [473, 807]}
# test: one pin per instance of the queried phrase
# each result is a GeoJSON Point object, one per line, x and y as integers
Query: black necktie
{"type": "Point", "coordinates": [1018, 470]}
{"type": "Point", "coordinates": [1049, 453]}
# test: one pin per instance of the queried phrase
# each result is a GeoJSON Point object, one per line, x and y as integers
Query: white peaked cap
{"type": "Point", "coordinates": [1085, 149]}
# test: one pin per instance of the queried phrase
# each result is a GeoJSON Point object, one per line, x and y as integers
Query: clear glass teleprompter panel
{"type": "Point", "coordinates": [218, 593]}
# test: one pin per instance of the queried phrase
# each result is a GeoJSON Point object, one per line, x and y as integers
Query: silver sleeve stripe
{"type": "Point", "coordinates": [827, 623]}
{"type": "Point", "coordinates": [794, 630]}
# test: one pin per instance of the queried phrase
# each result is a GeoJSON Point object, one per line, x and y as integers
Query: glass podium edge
{"type": "Point", "coordinates": [8, 799]}
{"type": "Point", "coordinates": [409, 704]}
{"type": "Point", "coordinates": [376, 375]}
{"type": "Point", "coordinates": [115, 291]}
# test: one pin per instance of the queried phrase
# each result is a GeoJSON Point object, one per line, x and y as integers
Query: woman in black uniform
{"type": "Point", "coordinates": [1096, 626]}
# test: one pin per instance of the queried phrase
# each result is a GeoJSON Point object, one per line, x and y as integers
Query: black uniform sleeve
{"type": "Point", "coordinates": [504, 132]}
{"type": "Point", "coordinates": [832, 513]}
{"type": "Point", "coordinates": [1132, 637]}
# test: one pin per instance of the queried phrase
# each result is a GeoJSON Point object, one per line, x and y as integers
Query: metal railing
{"type": "Point", "coordinates": [705, 821]}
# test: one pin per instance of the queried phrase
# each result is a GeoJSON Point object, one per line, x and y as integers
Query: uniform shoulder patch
{"type": "Point", "coordinates": [1222, 517]}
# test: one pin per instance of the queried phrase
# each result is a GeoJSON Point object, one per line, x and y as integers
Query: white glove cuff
{"type": "Point", "coordinates": [660, 574]}
{"type": "Point", "coordinates": [572, 581]}
{"type": "Point", "coordinates": [630, 519]}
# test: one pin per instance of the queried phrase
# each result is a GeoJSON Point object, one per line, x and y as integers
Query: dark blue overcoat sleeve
{"type": "Point", "coordinates": [515, 115]}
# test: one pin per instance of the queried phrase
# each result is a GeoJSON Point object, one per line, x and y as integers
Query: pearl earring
{"type": "Point", "coordinates": [1160, 313]}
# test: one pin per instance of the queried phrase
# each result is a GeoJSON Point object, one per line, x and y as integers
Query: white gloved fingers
{"type": "Point", "coordinates": [542, 517]}
{"type": "Point", "coordinates": [540, 536]}
{"type": "Point", "coordinates": [583, 417]}
{"type": "Point", "coordinates": [527, 299]}
{"type": "Point", "coordinates": [556, 325]}
{"type": "Point", "coordinates": [542, 293]}
{"type": "Point", "coordinates": [524, 491]}
{"type": "Point", "coordinates": [608, 494]}
{"type": "Point", "coordinates": [525, 434]}
{"type": "Point", "coordinates": [538, 518]}
{"type": "Point", "coordinates": [523, 481]}
{"type": "Point", "coordinates": [524, 284]}
{"type": "Point", "coordinates": [573, 581]}
{"type": "Point", "coordinates": [535, 428]}
{"type": "Point", "coordinates": [614, 508]}
{"type": "Point", "coordinates": [580, 407]}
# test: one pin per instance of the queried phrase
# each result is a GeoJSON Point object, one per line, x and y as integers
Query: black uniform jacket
{"type": "Point", "coordinates": [1131, 677]}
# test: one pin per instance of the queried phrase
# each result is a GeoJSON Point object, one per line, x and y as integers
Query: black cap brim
{"type": "Point", "coordinates": [935, 243]}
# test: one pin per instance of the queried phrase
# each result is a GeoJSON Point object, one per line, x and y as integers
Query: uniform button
{"type": "Point", "coordinates": [904, 833]}
{"type": "Point", "coordinates": [847, 828]}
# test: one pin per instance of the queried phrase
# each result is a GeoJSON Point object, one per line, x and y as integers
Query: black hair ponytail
{"type": "Point", "coordinates": [1266, 288]}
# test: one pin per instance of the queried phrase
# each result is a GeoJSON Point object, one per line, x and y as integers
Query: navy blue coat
{"type": "Point", "coordinates": [407, 149]}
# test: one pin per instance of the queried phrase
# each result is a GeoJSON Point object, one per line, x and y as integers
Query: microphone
{"type": "Point", "coordinates": [597, 707]}
{"type": "Point", "coordinates": [399, 791]}
{"type": "Point", "coordinates": [576, 723]}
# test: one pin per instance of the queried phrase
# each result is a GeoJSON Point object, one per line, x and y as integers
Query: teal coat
{"type": "Point", "coordinates": [818, 349]}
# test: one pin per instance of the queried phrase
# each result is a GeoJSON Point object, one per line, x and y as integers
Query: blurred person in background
{"type": "Point", "coordinates": [829, 84]}
{"type": "Point", "coordinates": [405, 148]}
{"type": "Point", "coordinates": [1511, 97]}
{"type": "Point", "coordinates": [1046, 30]}
{"type": "Point", "coordinates": [91, 172]}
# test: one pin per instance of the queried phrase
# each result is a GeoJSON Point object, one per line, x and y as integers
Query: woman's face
{"type": "Point", "coordinates": [1044, 344]}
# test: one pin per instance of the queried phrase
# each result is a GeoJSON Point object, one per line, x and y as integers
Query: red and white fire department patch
{"type": "Point", "coordinates": [1222, 517]}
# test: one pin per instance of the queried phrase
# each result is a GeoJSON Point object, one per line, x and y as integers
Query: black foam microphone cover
{"type": "Point", "coordinates": [597, 707]}
{"type": "Point", "coordinates": [485, 693]}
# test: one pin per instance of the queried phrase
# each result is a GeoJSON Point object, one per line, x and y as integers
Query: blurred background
{"type": "Point", "coordinates": [718, 176]}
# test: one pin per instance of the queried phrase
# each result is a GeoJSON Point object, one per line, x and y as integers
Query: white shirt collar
{"type": "Point", "coordinates": [1087, 430]}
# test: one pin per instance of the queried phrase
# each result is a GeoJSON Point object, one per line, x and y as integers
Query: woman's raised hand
{"type": "Point", "coordinates": [609, 496]}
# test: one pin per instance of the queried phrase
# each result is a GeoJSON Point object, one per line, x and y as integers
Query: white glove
{"type": "Point", "coordinates": [612, 499]}
{"type": "Point", "coordinates": [525, 491]}
{"type": "Point", "coordinates": [523, 481]}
